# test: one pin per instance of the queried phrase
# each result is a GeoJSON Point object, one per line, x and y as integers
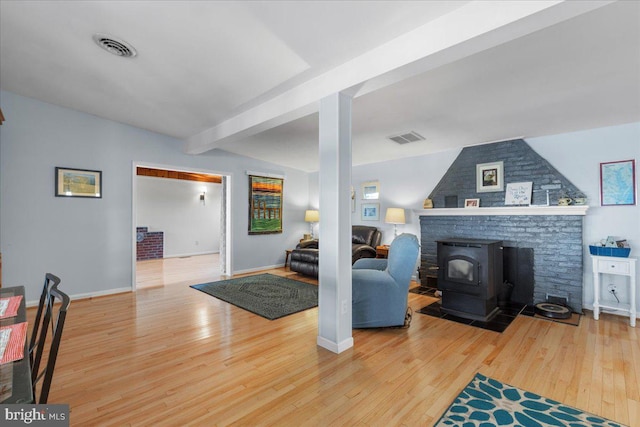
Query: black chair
{"type": "Point", "coordinates": [45, 317]}
{"type": "Point", "coordinates": [49, 281]}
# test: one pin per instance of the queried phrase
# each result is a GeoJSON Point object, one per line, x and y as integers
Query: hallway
{"type": "Point", "coordinates": [180, 270]}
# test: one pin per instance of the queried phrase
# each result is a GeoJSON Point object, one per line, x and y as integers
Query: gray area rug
{"type": "Point", "coordinates": [266, 295]}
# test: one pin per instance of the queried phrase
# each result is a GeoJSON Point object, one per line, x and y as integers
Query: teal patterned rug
{"type": "Point", "coordinates": [485, 402]}
{"type": "Point", "coordinates": [266, 295]}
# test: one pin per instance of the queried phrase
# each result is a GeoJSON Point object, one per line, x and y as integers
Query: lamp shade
{"type": "Point", "coordinates": [312, 216]}
{"type": "Point", "coordinates": [394, 216]}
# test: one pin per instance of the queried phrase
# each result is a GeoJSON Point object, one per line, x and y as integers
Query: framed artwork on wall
{"type": "Point", "coordinates": [371, 190]}
{"type": "Point", "coordinates": [78, 183]}
{"type": "Point", "coordinates": [371, 211]}
{"type": "Point", "coordinates": [265, 205]}
{"type": "Point", "coordinates": [489, 177]}
{"type": "Point", "coordinates": [618, 183]}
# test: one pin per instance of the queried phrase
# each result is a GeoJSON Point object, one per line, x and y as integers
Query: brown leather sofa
{"type": "Point", "coordinates": [364, 239]}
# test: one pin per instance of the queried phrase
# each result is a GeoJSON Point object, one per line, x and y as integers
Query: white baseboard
{"type": "Point", "coordinates": [333, 346]}
{"type": "Point", "coordinates": [87, 295]}
{"type": "Point", "coordinates": [191, 254]}
{"type": "Point", "coordinates": [129, 289]}
{"type": "Point", "coordinates": [253, 270]}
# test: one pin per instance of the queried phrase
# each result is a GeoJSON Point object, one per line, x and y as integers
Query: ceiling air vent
{"type": "Point", "coordinates": [113, 45]}
{"type": "Point", "coordinates": [405, 138]}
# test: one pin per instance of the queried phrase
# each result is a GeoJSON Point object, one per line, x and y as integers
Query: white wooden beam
{"type": "Point", "coordinates": [472, 28]}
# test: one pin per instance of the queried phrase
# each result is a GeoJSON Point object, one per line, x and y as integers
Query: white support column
{"type": "Point", "coordinates": [334, 299]}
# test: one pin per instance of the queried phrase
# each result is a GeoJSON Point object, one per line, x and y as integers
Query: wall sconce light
{"type": "Point", "coordinates": [202, 196]}
{"type": "Point", "coordinates": [395, 216]}
{"type": "Point", "coordinates": [311, 216]}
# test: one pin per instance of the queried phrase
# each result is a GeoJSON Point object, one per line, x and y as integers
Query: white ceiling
{"type": "Point", "coordinates": [206, 66]}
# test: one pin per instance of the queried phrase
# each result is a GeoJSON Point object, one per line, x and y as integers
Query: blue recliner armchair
{"type": "Point", "coordinates": [380, 286]}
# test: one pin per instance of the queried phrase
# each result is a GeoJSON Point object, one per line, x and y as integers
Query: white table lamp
{"type": "Point", "coordinates": [395, 216]}
{"type": "Point", "coordinates": [311, 216]}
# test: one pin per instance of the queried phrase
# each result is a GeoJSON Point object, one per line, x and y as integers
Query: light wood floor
{"type": "Point", "coordinates": [169, 271]}
{"type": "Point", "coordinates": [169, 355]}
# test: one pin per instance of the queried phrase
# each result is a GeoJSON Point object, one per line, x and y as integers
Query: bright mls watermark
{"type": "Point", "coordinates": [34, 415]}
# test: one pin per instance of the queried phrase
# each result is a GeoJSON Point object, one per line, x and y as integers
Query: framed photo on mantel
{"type": "Point", "coordinates": [471, 203]}
{"type": "Point", "coordinates": [518, 193]}
{"type": "Point", "coordinates": [489, 177]}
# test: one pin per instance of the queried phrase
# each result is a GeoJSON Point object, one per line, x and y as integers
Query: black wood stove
{"type": "Point", "coordinates": [469, 276]}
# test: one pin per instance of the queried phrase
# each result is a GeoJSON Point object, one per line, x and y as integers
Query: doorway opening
{"type": "Point", "coordinates": [186, 270]}
{"type": "Point", "coordinates": [180, 227]}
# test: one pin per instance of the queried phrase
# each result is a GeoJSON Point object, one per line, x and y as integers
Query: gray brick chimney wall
{"type": "Point", "coordinates": [521, 164]}
{"type": "Point", "coordinates": [556, 240]}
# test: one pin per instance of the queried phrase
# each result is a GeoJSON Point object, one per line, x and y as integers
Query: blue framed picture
{"type": "Point", "coordinates": [618, 183]}
{"type": "Point", "coordinates": [371, 190]}
{"type": "Point", "coordinates": [371, 211]}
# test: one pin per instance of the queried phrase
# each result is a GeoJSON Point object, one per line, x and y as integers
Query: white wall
{"type": "Point", "coordinates": [173, 206]}
{"type": "Point", "coordinates": [577, 155]}
{"type": "Point", "coordinates": [404, 183]}
{"type": "Point", "coordinates": [89, 243]}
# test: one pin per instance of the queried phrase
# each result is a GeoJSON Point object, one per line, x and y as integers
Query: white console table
{"type": "Point", "coordinates": [617, 266]}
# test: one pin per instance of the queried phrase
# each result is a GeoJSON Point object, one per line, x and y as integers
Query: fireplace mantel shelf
{"type": "Point", "coordinates": [505, 210]}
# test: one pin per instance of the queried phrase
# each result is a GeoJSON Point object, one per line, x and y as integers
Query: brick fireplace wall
{"type": "Point", "coordinates": [151, 246]}
{"type": "Point", "coordinates": [521, 164]}
{"type": "Point", "coordinates": [557, 241]}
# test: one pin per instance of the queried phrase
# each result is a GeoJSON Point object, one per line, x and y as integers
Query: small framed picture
{"type": "Point", "coordinates": [78, 183]}
{"type": "Point", "coordinates": [471, 203]}
{"type": "Point", "coordinates": [371, 190]}
{"type": "Point", "coordinates": [518, 193]}
{"type": "Point", "coordinates": [371, 211]}
{"type": "Point", "coordinates": [489, 177]}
